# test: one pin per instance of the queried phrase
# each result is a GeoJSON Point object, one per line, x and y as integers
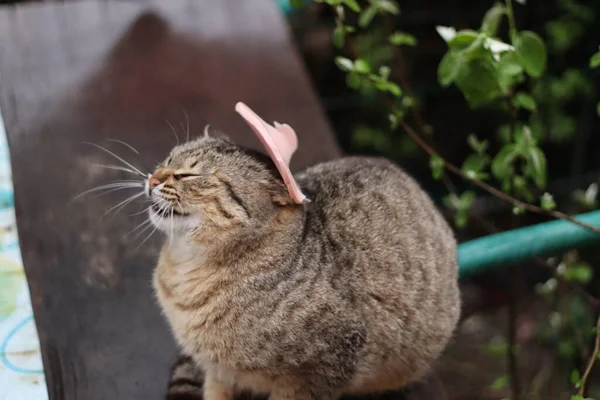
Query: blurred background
{"type": "Point", "coordinates": [548, 321]}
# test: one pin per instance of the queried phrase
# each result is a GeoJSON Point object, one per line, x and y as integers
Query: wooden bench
{"type": "Point", "coordinates": [91, 71]}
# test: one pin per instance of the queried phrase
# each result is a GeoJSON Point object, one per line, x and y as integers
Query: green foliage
{"type": "Point", "coordinates": [595, 60]}
{"type": "Point", "coordinates": [531, 53]}
{"type": "Point", "coordinates": [570, 26]}
{"type": "Point", "coordinates": [351, 4]}
{"type": "Point", "coordinates": [461, 205]}
{"type": "Point", "coordinates": [496, 349]}
{"type": "Point", "coordinates": [377, 7]}
{"type": "Point", "coordinates": [579, 272]}
{"type": "Point", "coordinates": [576, 379]}
{"type": "Point", "coordinates": [402, 38]}
{"type": "Point", "coordinates": [492, 18]}
{"type": "Point", "coordinates": [500, 383]}
{"type": "Point", "coordinates": [525, 100]}
{"type": "Point", "coordinates": [547, 201]}
{"type": "Point", "coordinates": [437, 167]}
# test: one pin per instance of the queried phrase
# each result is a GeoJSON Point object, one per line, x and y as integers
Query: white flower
{"type": "Point", "coordinates": [446, 32]}
{"type": "Point", "coordinates": [521, 1]}
{"type": "Point", "coordinates": [497, 47]}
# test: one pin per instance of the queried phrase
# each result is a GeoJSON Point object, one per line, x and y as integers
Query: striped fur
{"type": "Point", "coordinates": [353, 293]}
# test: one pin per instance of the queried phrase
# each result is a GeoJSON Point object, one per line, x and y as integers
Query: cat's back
{"type": "Point", "coordinates": [370, 191]}
{"type": "Point", "coordinates": [396, 251]}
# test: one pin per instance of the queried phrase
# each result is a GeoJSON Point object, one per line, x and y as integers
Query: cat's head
{"type": "Point", "coordinates": [211, 184]}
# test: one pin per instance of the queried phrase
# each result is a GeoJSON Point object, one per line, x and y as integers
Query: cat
{"type": "Point", "coordinates": [340, 280]}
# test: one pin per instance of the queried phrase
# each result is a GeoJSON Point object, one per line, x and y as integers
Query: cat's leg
{"type": "Point", "coordinates": [216, 389]}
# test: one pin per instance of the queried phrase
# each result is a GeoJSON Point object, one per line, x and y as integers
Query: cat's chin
{"type": "Point", "coordinates": [175, 224]}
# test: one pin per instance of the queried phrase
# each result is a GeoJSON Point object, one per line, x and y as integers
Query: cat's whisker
{"type": "Point", "coordinates": [172, 212]}
{"type": "Point", "coordinates": [161, 210]}
{"type": "Point", "coordinates": [145, 225]}
{"type": "Point", "coordinates": [124, 144]}
{"type": "Point", "coordinates": [145, 210]}
{"type": "Point", "coordinates": [179, 204]}
{"type": "Point", "coordinates": [122, 204]}
{"type": "Point", "coordinates": [117, 189]}
{"type": "Point", "coordinates": [173, 129]}
{"type": "Point", "coordinates": [117, 157]}
{"type": "Point", "coordinates": [118, 168]}
{"type": "Point", "coordinates": [111, 187]}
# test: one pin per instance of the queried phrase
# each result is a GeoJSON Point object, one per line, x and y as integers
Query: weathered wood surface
{"type": "Point", "coordinates": [91, 71]}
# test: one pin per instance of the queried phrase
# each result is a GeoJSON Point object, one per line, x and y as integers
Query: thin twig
{"type": "Point", "coordinates": [490, 189]}
{"type": "Point", "coordinates": [591, 361]}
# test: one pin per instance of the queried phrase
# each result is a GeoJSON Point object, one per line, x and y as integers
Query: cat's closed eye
{"type": "Point", "coordinates": [184, 176]}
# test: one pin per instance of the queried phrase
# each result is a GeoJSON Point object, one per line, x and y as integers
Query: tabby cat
{"type": "Point", "coordinates": [339, 280]}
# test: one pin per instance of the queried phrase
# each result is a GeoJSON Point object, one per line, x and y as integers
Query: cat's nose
{"type": "Point", "coordinates": [153, 182]}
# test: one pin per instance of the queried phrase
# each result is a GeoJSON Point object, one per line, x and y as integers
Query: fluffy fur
{"type": "Point", "coordinates": [351, 293]}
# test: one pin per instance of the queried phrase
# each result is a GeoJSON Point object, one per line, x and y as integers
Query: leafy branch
{"type": "Point", "coordinates": [486, 70]}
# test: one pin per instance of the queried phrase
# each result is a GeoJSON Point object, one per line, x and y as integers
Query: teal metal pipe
{"type": "Point", "coordinates": [526, 243]}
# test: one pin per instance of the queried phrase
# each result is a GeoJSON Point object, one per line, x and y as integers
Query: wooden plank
{"type": "Point", "coordinates": [89, 71]}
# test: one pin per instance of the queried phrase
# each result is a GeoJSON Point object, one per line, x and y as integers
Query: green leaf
{"type": "Point", "coordinates": [577, 397]}
{"type": "Point", "coordinates": [536, 160]}
{"type": "Point", "coordinates": [338, 37]}
{"type": "Point", "coordinates": [393, 121]}
{"type": "Point", "coordinates": [353, 80]}
{"type": "Point", "coordinates": [449, 68]}
{"type": "Point", "coordinates": [520, 187]}
{"type": "Point", "coordinates": [595, 60]}
{"type": "Point", "coordinates": [502, 163]}
{"type": "Point", "coordinates": [518, 210]}
{"type": "Point", "coordinates": [576, 378]}
{"type": "Point", "coordinates": [547, 202]}
{"type": "Point", "coordinates": [496, 349]}
{"type": "Point", "coordinates": [388, 6]}
{"type": "Point", "coordinates": [510, 72]}
{"type": "Point", "coordinates": [345, 64]}
{"type": "Point", "coordinates": [361, 66]}
{"type": "Point", "coordinates": [524, 100]}
{"type": "Point", "coordinates": [297, 3]}
{"type": "Point", "coordinates": [367, 16]}
{"type": "Point", "coordinates": [531, 53]}
{"type": "Point", "coordinates": [401, 38]}
{"type": "Point", "coordinates": [461, 218]}
{"type": "Point", "coordinates": [474, 164]}
{"type": "Point", "coordinates": [352, 4]}
{"type": "Point", "coordinates": [492, 18]}
{"type": "Point", "coordinates": [463, 39]}
{"type": "Point", "coordinates": [579, 272]}
{"type": "Point", "coordinates": [478, 81]}
{"type": "Point", "coordinates": [390, 87]}
{"type": "Point", "coordinates": [436, 164]}
{"type": "Point", "coordinates": [384, 72]}
{"type": "Point", "coordinates": [499, 383]}
{"type": "Point", "coordinates": [461, 205]}
{"type": "Point", "coordinates": [479, 147]}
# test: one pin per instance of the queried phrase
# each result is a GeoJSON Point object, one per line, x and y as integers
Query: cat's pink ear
{"type": "Point", "coordinates": [280, 142]}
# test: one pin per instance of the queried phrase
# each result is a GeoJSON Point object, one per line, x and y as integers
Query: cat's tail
{"type": "Point", "coordinates": [187, 380]}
